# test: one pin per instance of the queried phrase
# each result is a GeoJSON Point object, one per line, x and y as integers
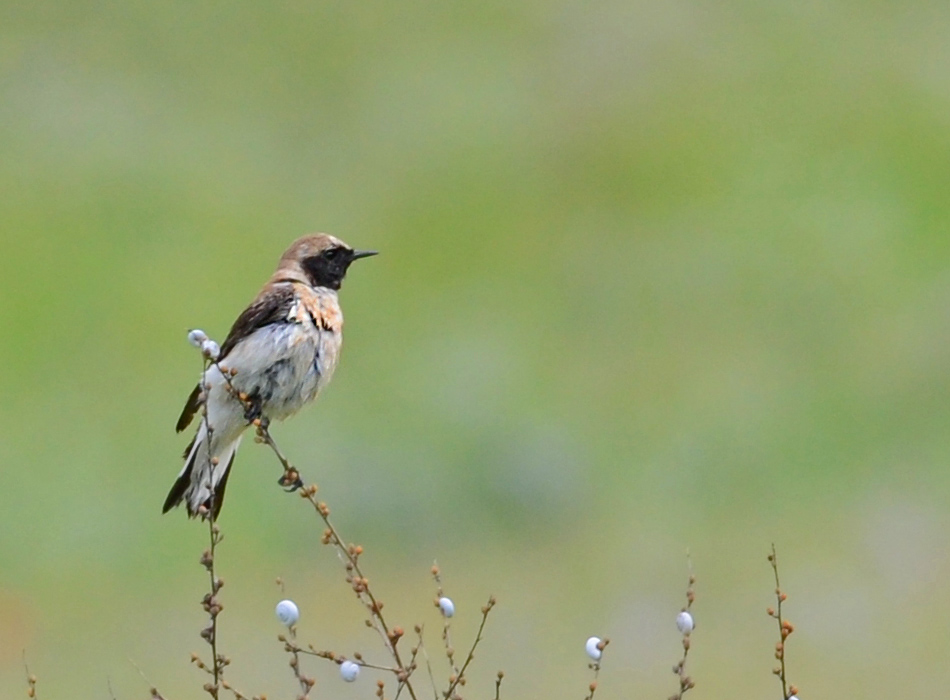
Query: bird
{"type": "Point", "coordinates": [279, 354]}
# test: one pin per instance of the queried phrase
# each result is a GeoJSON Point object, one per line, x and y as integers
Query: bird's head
{"type": "Point", "coordinates": [320, 260]}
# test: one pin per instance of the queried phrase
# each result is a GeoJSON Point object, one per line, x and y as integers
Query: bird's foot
{"type": "Point", "coordinates": [290, 480]}
{"type": "Point", "coordinates": [252, 410]}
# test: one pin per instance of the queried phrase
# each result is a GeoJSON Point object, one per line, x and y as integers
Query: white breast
{"type": "Point", "coordinates": [285, 364]}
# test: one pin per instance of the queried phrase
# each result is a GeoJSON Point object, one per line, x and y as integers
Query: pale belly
{"type": "Point", "coordinates": [284, 365]}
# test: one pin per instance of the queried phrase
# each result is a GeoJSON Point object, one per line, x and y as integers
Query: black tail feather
{"type": "Point", "coordinates": [219, 491]}
{"type": "Point", "coordinates": [190, 409]}
{"type": "Point", "coordinates": [183, 482]}
{"type": "Point", "coordinates": [178, 489]}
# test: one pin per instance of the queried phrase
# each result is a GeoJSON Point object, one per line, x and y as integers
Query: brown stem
{"type": "Point", "coordinates": [210, 601]}
{"type": "Point", "coordinates": [292, 478]}
{"type": "Point", "coordinates": [471, 652]}
{"type": "Point", "coordinates": [780, 647]}
{"type": "Point", "coordinates": [686, 683]}
{"type": "Point", "coordinates": [30, 680]}
{"type": "Point", "coordinates": [306, 683]}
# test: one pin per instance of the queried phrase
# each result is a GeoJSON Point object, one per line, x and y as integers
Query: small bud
{"type": "Point", "coordinates": [594, 650]}
{"type": "Point", "coordinates": [684, 622]}
{"type": "Point", "coordinates": [210, 349]}
{"type": "Point", "coordinates": [287, 612]}
{"type": "Point", "coordinates": [197, 337]}
{"type": "Point", "coordinates": [447, 606]}
{"type": "Point", "coordinates": [349, 671]}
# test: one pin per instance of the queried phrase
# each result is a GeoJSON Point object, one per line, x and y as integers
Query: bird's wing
{"type": "Point", "coordinates": [273, 305]}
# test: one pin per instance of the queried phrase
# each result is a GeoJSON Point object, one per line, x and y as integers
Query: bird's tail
{"type": "Point", "coordinates": [204, 477]}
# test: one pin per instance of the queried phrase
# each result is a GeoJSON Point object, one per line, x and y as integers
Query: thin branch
{"type": "Point", "coordinates": [210, 602]}
{"type": "Point", "coordinates": [290, 645]}
{"type": "Point", "coordinates": [349, 554]}
{"type": "Point", "coordinates": [152, 690]}
{"type": "Point", "coordinates": [785, 628]}
{"type": "Point", "coordinates": [600, 646]}
{"type": "Point", "coordinates": [460, 678]}
{"type": "Point", "coordinates": [412, 663]}
{"type": "Point", "coordinates": [422, 647]}
{"type": "Point", "coordinates": [30, 679]}
{"type": "Point", "coordinates": [446, 625]}
{"type": "Point", "coordinates": [685, 624]}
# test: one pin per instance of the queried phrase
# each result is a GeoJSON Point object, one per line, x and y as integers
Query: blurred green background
{"type": "Point", "coordinates": [655, 276]}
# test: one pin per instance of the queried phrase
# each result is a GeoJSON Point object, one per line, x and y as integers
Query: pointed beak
{"type": "Point", "coordinates": [363, 254]}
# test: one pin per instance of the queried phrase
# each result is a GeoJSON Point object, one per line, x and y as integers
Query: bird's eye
{"type": "Point", "coordinates": [331, 253]}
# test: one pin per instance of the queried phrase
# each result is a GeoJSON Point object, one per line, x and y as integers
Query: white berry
{"type": "Point", "coordinates": [684, 622]}
{"type": "Point", "coordinates": [593, 648]}
{"type": "Point", "coordinates": [210, 349]}
{"type": "Point", "coordinates": [349, 671]}
{"type": "Point", "coordinates": [287, 612]}
{"type": "Point", "coordinates": [447, 606]}
{"type": "Point", "coordinates": [197, 337]}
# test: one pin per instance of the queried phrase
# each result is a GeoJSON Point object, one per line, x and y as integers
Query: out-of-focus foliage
{"type": "Point", "coordinates": [654, 276]}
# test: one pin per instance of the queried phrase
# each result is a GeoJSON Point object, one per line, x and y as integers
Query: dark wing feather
{"type": "Point", "coordinates": [271, 307]}
{"type": "Point", "coordinates": [189, 411]}
{"type": "Point", "coordinates": [178, 489]}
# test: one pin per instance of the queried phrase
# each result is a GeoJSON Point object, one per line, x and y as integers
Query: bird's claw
{"type": "Point", "coordinates": [290, 481]}
{"type": "Point", "coordinates": [252, 410]}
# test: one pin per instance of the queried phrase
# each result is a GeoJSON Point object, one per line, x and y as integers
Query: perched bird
{"type": "Point", "coordinates": [282, 350]}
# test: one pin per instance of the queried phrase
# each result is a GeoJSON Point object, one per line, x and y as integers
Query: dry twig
{"type": "Point", "coordinates": [684, 623]}
{"type": "Point", "coordinates": [785, 628]}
